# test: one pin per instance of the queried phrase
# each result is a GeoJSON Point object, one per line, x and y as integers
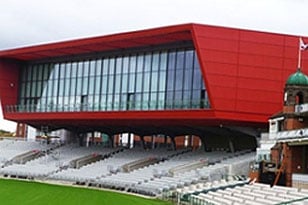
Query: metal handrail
{"type": "Point", "coordinates": [110, 106]}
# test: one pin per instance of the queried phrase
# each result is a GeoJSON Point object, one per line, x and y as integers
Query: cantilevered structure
{"type": "Point", "coordinates": [188, 79]}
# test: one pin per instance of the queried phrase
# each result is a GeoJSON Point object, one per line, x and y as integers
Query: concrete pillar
{"type": "Point", "coordinates": [153, 142]}
{"type": "Point", "coordinates": [128, 140]}
{"type": "Point", "coordinates": [203, 140]}
{"type": "Point", "coordinates": [93, 138]}
{"type": "Point", "coordinates": [142, 141]}
{"type": "Point", "coordinates": [231, 145]}
{"type": "Point", "coordinates": [111, 140]}
{"type": "Point", "coordinates": [173, 143]}
{"type": "Point", "coordinates": [80, 139]}
{"type": "Point", "coordinates": [191, 141]}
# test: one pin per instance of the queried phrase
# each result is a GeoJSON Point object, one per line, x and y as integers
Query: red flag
{"type": "Point", "coordinates": [302, 45]}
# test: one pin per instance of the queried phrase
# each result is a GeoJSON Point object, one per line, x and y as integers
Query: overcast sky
{"type": "Point", "coordinates": [30, 22]}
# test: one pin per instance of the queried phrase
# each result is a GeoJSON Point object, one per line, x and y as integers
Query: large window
{"type": "Point", "coordinates": [156, 80]}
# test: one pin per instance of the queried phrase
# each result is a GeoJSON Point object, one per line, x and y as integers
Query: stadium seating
{"type": "Point", "coordinates": [245, 193]}
{"type": "Point", "coordinates": [194, 176]}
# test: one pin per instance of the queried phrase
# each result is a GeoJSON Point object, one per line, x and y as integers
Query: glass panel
{"type": "Point", "coordinates": [74, 70]}
{"type": "Point", "coordinates": [124, 83]}
{"type": "Point", "coordinates": [109, 102]}
{"type": "Point", "coordinates": [55, 88]}
{"type": "Point", "coordinates": [73, 87]}
{"type": "Point", "coordinates": [80, 69]}
{"type": "Point", "coordinates": [29, 73]}
{"type": "Point", "coordinates": [56, 71]}
{"type": "Point", "coordinates": [132, 64]}
{"type": "Point", "coordinates": [162, 80]}
{"type": "Point", "coordinates": [105, 66]}
{"type": "Point", "coordinates": [119, 65]}
{"type": "Point", "coordinates": [96, 103]}
{"type": "Point", "coordinates": [97, 85]}
{"type": "Point", "coordinates": [154, 80]}
{"type": "Point", "coordinates": [68, 70]}
{"type": "Point", "coordinates": [67, 87]}
{"type": "Point", "coordinates": [170, 80]}
{"type": "Point", "coordinates": [163, 61]}
{"type": "Point", "coordinates": [33, 89]}
{"type": "Point", "coordinates": [117, 84]}
{"type": "Point", "coordinates": [146, 80]}
{"type": "Point", "coordinates": [105, 85]}
{"type": "Point", "coordinates": [111, 66]}
{"type": "Point", "coordinates": [98, 67]}
{"type": "Point", "coordinates": [40, 72]}
{"type": "Point", "coordinates": [155, 61]}
{"type": "Point", "coordinates": [140, 63]}
{"type": "Point", "coordinates": [171, 60]}
{"type": "Point", "coordinates": [92, 67]}
{"type": "Point", "coordinates": [131, 85]}
{"type": "Point", "coordinates": [46, 72]}
{"type": "Point", "coordinates": [79, 86]}
{"type": "Point", "coordinates": [139, 82]}
{"type": "Point", "coordinates": [66, 103]}
{"type": "Point", "coordinates": [125, 65]}
{"type": "Point", "coordinates": [188, 79]}
{"type": "Point", "coordinates": [86, 68]}
{"type": "Point", "coordinates": [103, 102]}
{"type": "Point", "coordinates": [50, 87]}
{"type": "Point", "coordinates": [147, 62]}
{"type": "Point", "coordinates": [61, 88]}
{"type": "Point", "coordinates": [92, 85]}
{"type": "Point", "coordinates": [22, 90]}
{"type": "Point", "coordinates": [153, 101]}
{"type": "Point", "coordinates": [197, 79]}
{"type": "Point", "coordinates": [39, 89]}
{"type": "Point", "coordinates": [110, 84]}
{"type": "Point", "coordinates": [179, 79]}
{"type": "Point", "coordinates": [189, 58]}
{"type": "Point", "coordinates": [137, 101]}
{"type": "Point", "coordinates": [180, 59]}
{"type": "Point", "coordinates": [145, 101]}
{"type": "Point", "coordinates": [85, 86]}
{"type": "Point", "coordinates": [62, 70]}
{"type": "Point", "coordinates": [116, 102]}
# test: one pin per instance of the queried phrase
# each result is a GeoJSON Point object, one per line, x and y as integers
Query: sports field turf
{"type": "Point", "coordinates": [25, 192]}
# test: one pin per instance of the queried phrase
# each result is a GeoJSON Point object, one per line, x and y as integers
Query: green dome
{"type": "Point", "coordinates": [297, 78]}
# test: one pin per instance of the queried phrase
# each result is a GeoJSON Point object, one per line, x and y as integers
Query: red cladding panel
{"type": "Point", "coordinates": [262, 37]}
{"type": "Point", "coordinates": [260, 72]}
{"type": "Point", "coordinates": [249, 67]}
{"type": "Point", "coordinates": [261, 49]}
{"type": "Point", "coordinates": [260, 61]}
{"type": "Point", "coordinates": [219, 68]}
{"type": "Point", "coordinates": [218, 44]}
{"type": "Point", "coordinates": [216, 32]}
{"type": "Point", "coordinates": [9, 73]}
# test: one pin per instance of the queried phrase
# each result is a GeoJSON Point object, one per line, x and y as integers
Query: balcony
{"type": "Point", "coordinates": [115, 106]}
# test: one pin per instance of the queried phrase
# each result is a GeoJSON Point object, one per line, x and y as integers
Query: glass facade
{"type": "Point", "coordinates": [156, 80]}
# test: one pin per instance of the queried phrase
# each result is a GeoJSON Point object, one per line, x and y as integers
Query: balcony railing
{"type": "Point", "coordinates": [116, 106]}
{"type": "Point", "coordinates": [292, 134]}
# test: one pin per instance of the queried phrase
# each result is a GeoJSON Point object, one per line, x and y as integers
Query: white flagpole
{"type": "Point", "coordinates": [299, 54]}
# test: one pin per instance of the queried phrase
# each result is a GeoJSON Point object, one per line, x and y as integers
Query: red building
{"type": "Point", "coordinates": [190, 79]}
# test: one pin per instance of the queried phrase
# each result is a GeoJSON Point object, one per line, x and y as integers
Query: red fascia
{"type": "Point", "coordinates": [149, 37]}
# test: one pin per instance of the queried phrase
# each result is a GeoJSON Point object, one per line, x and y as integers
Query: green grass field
{"type": "Point", "coordinates": [25, 192]}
